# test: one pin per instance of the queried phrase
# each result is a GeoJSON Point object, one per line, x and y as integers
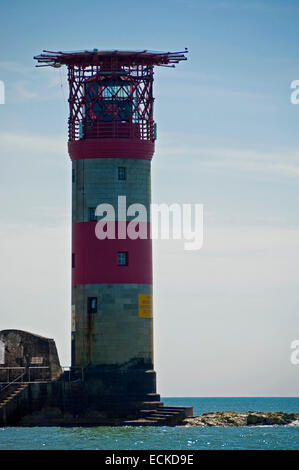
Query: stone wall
{"type": "Point", "coordinates": [95, 182]}
{"type": "Point", "coordinates": [103, 398]}
{"type": "Point", "coordinates": [117, 335]}
{"type": "Point", "coordinates": [23, 351]}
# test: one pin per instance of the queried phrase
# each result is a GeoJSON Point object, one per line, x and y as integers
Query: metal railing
{"type": "Point", "coordinates": [16, 380]}
{"type": "Point", "coordinates": [143, 130]}
{"type": "Point", "coordinates": [35, 374]}
{"type": "Point", "coordinates": [27, 374]}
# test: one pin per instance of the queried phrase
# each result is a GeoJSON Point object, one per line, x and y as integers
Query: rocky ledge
{"type": "Point", "coordinates": [249, 418]}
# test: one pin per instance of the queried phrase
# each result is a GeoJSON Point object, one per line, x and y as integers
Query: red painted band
{"type": "Point", "coordinates": [111, 148]}
{"type": "Point", "coordinates": [95, 261]}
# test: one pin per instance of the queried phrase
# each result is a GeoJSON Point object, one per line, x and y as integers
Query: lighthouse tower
{"type": "Point", "coordinates": [111, 144]}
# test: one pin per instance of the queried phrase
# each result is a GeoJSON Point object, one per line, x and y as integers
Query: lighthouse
{"type": "Point", "coordinates": [111, 143]}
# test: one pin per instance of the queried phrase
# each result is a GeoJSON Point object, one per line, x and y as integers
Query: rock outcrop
{"type": "Point", "coordinates": [249, 418]}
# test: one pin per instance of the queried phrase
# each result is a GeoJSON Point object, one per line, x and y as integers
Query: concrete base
{"type": "Point", "coordinates": [104, 398]}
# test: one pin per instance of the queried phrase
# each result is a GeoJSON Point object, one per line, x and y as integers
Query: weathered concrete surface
{"type": "Point", "coordinates": [95, 396]}
{"type": "Point", "coordinates": [116, 335]}
{"type": "Point", "coordinates": [95, 181]}
{"type": "Point", "coordinates": [27, 350]}
{"type": "Point", "coordinates": [249, 418]}
{"type": "Point", "coordinates": [88, 403]}
{"type": "Point", "coordinates": [103, 397]}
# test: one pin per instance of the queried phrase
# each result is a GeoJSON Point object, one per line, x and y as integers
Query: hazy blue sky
{"type": "Point", "coordinates": [228, 137]}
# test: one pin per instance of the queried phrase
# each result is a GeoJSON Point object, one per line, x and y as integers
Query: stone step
{"type": "Point", "coordinates": [145, 422]}
{"type": "Point", "coordinates": [17, 389]}
{"type": "Point", "coordinates": [157, 417]}
{"type": "Point", "coordinates": [147, 413]}
{"type": "Point", "coordinates": [161, 415]}
{"type": "Point", "coordinates": [187, 410]}
{"type": "Point", "coordinates": [152, 404]}
{"type": "Point", "coordinates": [153, 397]}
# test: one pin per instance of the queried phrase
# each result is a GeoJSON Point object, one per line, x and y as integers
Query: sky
{"type": "Point", "coordinates": [224, 316]}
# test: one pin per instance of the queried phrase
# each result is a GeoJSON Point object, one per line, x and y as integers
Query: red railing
{"type": "Point", "coordinates": [112, 129]}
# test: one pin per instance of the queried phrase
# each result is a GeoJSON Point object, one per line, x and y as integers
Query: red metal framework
{"type": "Point", "coordinates": [110, 92]}
{"type": "Point", "coordinates": [128, 86]}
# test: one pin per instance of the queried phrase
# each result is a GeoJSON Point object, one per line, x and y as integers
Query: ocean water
{"type": "Point", "coordinates": [167, 438]}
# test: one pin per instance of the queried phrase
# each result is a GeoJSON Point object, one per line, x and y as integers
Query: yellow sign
{"type": "Point", "coordinates": [145, 305]}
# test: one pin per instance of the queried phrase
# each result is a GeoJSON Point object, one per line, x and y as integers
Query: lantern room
{"type": "Point", "coordinates": [111, 92]}
{"type": "Point", "coordinates": [109, 104]}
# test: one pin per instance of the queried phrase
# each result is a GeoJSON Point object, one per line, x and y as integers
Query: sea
{"type": "Point", "coordinates": [165, 437]}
